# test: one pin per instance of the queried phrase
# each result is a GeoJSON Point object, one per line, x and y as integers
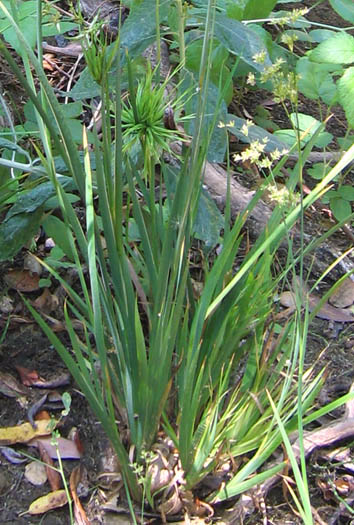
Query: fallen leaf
{"type": "Point", "coordinates": [46, 301]}
{"type": "Point", "coordinates": [27, 376]}
{"type": "Point", "coordinates": [58, 380]}
{"type": "Point", "coordinates": [80, 514]}
{"type": "Point", "coordinates": [24, 433]}
{"type": "Point", "coordinates": [328, 312]}
{"type": "Point", "coordinates": [22, 280]}
{"type": "Point", "coordinates": [67, 448]}
{"type": "Point", "coordinates": [75, 437]}
{"type": "Point", "coordinates": [50, 501]}
{"type": "Point", "coordinates": [344, 295]}
{"type": "Point", "coordinates": [34, 408]}
{"type": "Point", "coordinates": [13, 456]}
{"type": "Point", "coordinates": [43, 414]}
{"type": "Point", "coordinates": [47, 59]}
{"type": "Point", "coordinates": [53, 475]}
{"type": "Point", "coordinates": [35, 473]}
{"type": "Point", "coordinates": [10, 387]}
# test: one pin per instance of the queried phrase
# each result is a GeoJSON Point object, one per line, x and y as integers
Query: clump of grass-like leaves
{"type": "Point", "coordinates": [206, 371]}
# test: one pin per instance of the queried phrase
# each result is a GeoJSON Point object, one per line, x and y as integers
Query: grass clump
{"type": "Point", "coordinates": [200, 374]}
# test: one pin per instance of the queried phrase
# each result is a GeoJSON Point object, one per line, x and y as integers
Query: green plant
{"type": "Point", "coordinates": [194, 368]}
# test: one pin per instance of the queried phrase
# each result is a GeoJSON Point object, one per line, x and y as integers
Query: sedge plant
{"type": "Point", "coordinates": [205, 371]}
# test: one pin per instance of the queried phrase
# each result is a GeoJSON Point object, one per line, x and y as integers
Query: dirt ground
{"type": "Point", "coordinates": [26, 346]}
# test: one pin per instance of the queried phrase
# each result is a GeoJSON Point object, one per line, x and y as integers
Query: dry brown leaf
{"type": "Point", "coordinates": [46, 301]}
{"type": "Point", "coordinates": [25, 432]}
{"type": "Point", "coordinates": [75, 437]}
{"type": "Point", "coordinates": [67, 448]}
{"type": "Point", "coordinates": [53, 475]}
{"type": "Point", "coordinates": [50, 501]}
{"type": "Point", "coordinates": [10, 387]}
{"type": "Point", "coordinates": [327, 311]}
{"type": "Point", "coordinates": [80, 514]}
{"type": "Point", "coordinates": [344, 295]}
{"type": "Point", "coordinates": [47, 59]}
{"type": "Point", "coordinates": [22, 280]}
{"type": "Point", "coordinates": [172, 505]}
{"type": "Point", "coordinates": [27, 376]}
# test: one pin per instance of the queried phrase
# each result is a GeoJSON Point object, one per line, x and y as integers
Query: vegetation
{"type": "Point", "coordinates": [193, 358]}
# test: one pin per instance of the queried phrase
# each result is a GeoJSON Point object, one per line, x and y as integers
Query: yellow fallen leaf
{"type": "Point", "coordinates": [50, 501]}
{"type": "Point", "coordinates": [25, 432]}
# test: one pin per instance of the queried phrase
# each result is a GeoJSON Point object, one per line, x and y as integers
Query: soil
{"type": "Point", "coordinates": [25, 345]}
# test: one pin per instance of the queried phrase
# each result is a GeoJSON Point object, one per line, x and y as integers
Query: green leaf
{"type": "Point", "coordinates": [58, 231]}
{"type": "Point", "coordinates": [315, 81]}
{"type": "Point", "coordinates": [318, 171]}
{"type": "Point", "coordinates": [208, 221]}
{"type": "Point", "coordinates": [240, 40]}
{"type": "Point", "coordinates": [30, 200]}
{"type": "Point", "coordinates": [26, 14]}
{"type": "Point", "coordinates": [218, 69]}
{"type": "Point", "coordinates": [338, 49]}
{"type": "Point", "coordinates": [17, 231]}
{"type": "Point", "coordinates": [234, 125]}
{"type": "Point", "coordinates": [320, 35]}
{"type": "Point", "coordinates": [217, 146]}
{"type": "Point", "coordinates": [346, 142]}
{"type": "Point", "coordinates": [8, 144]}
{"type": "Point", "coordinates": [257, 9]}
{"type": "Point", "coordinates": [346, 192]}
{"type": "Point", "coordinates": [139, 29]}
{"type": "Point", "coordinates": [306, 123]}
{"type": "Point", "coordinates": [346, 94]}
{"type": "Point", "coordinates": [341, 208]}
{"type": "Point", "coordinates": [345, 8]}
{"type": "Point", "coordinates": [51, 29]}
{"type": "Point", "coordinates": [85, 87]}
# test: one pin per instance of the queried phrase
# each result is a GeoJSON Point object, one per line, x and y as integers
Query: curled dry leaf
{"type": "Point", "coordinates": [53, 475]}
{"type": "Point", "coordinates": [25, 432]}
{"type": "Point", "coordinates": [159, 475]}
{"type": "Point", "coordinates": [27, 376]}
{"type": "Point", "coordinates": [61, 379]}
{"type": "Point", "coordinates": [32, 378]}
{"type": "Point", "coordinates": [75, 479]}
{"type": "Point", "coordinates": [195, 506]}
{"type": "Point", "coordinates": [47, 62]}
{"type": "Point", "coordinates": [50, 501]}
{"type": "Point", "coordinates": [10, 387]}
{"type": "Point", "coordinates": [46, 302]}
{"type": "Point", "coordinates": [172, 505]}
{"type": "Point", "coordinates": [13, 456]}
{"type": "Point", "coordinates": [342, 486]}
{"type": "Point", "coordinates": [34, 409]}
{"type": "Point", "coordinates": [75, 437]}
{"type": "Point", "coordinates": [22, 280]}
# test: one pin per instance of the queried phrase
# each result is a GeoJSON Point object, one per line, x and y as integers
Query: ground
{"type": "Point", "coordinates": [25, 345]}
